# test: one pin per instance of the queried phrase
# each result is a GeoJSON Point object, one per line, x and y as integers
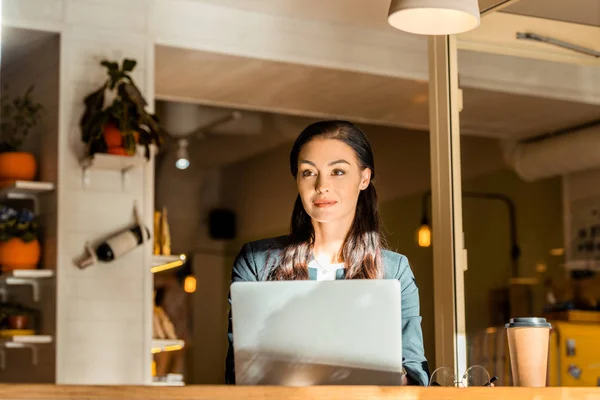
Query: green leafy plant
{"type": "Point", "coordinates": [126, 112]}
{"type": "Point", "coordinates": [18, 116]}
{"type": "Point", "coordinates": [14, 224]}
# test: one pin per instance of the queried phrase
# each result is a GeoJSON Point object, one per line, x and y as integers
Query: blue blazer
{"type": "Point", "coordinates": [251, 265]}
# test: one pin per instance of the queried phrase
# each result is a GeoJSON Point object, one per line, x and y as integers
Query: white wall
{"type": "Point", "coordinates": [104, 312]}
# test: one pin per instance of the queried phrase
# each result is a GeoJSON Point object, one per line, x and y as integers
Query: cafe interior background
{"type": "Point", "coordinates": [233, 82]}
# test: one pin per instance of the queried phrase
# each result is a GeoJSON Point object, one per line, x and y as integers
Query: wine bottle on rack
{"type": "Point", "coordinates": [120, 243]}
{"type": "Point", "coordinates": [113, 247]}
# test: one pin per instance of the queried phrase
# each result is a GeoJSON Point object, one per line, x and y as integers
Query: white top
{"type": "Point", "coordinates": [325, 272]}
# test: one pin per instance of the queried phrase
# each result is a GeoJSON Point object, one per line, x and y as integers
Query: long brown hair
{"type": "Point", "coordinates": [362, 248]}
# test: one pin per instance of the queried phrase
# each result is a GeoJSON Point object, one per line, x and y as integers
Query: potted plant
{"type": "Point", "coordinates": [16, 319]}
{"type": "Point", "coordinates": [18, 116]}
{"type": "Point", "coordinates": [19, 245]}
{"type": "Point", "coordinates": [118, 126]}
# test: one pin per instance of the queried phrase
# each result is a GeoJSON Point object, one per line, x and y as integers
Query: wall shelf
{"type": "Point", "coordinates": [25, 277]}
{"type": "Point", "coordinates": [110, 162]}
{"type": "Point", "coordinates": [26, 339]}
{"type": "Point", "coordinates": [26, 190]}
{"type": "Point", "coordinates": [23, 342]}
{"type": "Point", "coordinates": [160, 345]}
{"type": "Point", "coordinates": [162, 263]}
{"type": "Point", "coordinates": [582, 265]}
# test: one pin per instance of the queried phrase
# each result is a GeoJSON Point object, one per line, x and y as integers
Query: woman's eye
{"type": "Point", "coordinates": [337, 172]}
{"type": "Point", "coordinates": [307, 173]}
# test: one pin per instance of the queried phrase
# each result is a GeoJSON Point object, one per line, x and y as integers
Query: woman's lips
{"type": "Point", "coordinates": [324, 203]}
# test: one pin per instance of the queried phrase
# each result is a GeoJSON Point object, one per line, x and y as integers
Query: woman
{"type": "Point", "coordinates": [335, 232]}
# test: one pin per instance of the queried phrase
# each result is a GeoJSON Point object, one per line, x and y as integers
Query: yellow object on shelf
{"type": "Point", "coordinates": [7, 333]}
{"type": "Point", "coordinates": [157, 234]}
{"type": "Point", "coordinates": [163, 263]}
{"type": "Point", "coordinates": [160, 345]}
{"type": "Point", "coordinates": [162, 326]}
{"type": "Point", "coordinates": [165, 234]}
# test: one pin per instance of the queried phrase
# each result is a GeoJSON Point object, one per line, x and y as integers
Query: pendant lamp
{"type": "Point", "coordinates": [434, 17]}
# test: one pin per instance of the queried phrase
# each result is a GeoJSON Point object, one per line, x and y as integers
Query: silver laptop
{"type": "Point", "coordinates": [301, 333]}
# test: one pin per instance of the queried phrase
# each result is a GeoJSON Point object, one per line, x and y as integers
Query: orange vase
{"type": "Point", "coordinates": [17, 254]}
{"type": "Point", "coordinates": [16, 166]}
{"type": "Point", "coordinates": [112, 136]}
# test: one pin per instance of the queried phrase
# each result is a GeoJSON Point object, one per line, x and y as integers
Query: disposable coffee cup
{"type": "Point", "coordinates": [528, 342]}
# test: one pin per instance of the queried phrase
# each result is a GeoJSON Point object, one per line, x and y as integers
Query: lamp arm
{"type": "Point", "coordinates": [515, 250]}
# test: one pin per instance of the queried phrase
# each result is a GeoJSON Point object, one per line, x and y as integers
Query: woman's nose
{"type": "Point", "coordinates": [322, 184]}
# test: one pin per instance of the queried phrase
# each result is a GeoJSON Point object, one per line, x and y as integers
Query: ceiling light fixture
{"type": "Point", "coordinates": [183, 158]}
{"type": "Point", "coordinates": [434, 17]}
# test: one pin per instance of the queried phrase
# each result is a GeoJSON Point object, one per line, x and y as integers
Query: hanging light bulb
{"type": "Point", "coordinates": [434, 17]}
{"type": "Point", "coordinates": [424, 232]}
{"type": "Point", "coordinates": [183, 158]}
{"type": "Point", "coordinates": [189, 284]}
{"type": "Point", "coordinates": [424, 236]}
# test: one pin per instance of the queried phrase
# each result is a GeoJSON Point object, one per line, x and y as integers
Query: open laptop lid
{"type": "Point", "coordinates": [317, 332]}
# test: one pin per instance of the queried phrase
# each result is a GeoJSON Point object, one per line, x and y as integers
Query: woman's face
{"type": "Point", "coordinates": [330, 179]}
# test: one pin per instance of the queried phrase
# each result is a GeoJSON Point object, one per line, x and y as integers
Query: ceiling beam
{"type": "Point", "coordinates": [229, 30]}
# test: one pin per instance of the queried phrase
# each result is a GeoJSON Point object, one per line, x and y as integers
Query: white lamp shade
{"type": "Point", "coordinates": [434, 17]}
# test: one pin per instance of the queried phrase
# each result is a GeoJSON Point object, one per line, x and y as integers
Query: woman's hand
{"type": "Point", "coordinates": [407, 380]}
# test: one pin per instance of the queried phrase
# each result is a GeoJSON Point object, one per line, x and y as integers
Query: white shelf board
{"type": "Point", "coordinates": [18, 340]}
{"type": "Point", "coordinates": [29, 277]}
{"type": "Point", "coordinates": [582, 265]}
{"type": "Point", "coordinates": [27, 274]}
{"type": "Point", "coordinates": [113, 162]}
{"type": "Point", "coordinates": [159, 345]}
{"type": "Point", "coordinates": [162, 260]}
{"type": "Point", "coordinates": [20, 189]}
{"type": "Point", "coordinates": [24, 342]}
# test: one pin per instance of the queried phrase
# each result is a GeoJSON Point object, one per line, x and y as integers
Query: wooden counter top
{"type": "Point", "coordinates": [192, 392]}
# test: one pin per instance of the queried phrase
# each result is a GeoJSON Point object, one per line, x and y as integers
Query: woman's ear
{"type": "Point", "coordinates": [365, 178]}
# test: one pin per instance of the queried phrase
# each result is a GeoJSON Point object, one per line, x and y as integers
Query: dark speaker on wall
{"type": "Point", "coordinates": [221, 224]}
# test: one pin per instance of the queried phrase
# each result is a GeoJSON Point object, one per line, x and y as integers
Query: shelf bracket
{"type": "Point", "coordinates": [125, 178]}
{"type": "Point", "coordinates": [35, 287]}
{"type": "Point", "coordinates": [85, 177]}
{"type": "Point", "coordinates": [33, 347]}
{"type": "Point", "coordinates": [24, 196]}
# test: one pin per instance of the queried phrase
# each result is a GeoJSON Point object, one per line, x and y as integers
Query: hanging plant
{"type": "Point", "coordinates": [119, 126]}
{"type": "Point", "coordinates": [18, 116]}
